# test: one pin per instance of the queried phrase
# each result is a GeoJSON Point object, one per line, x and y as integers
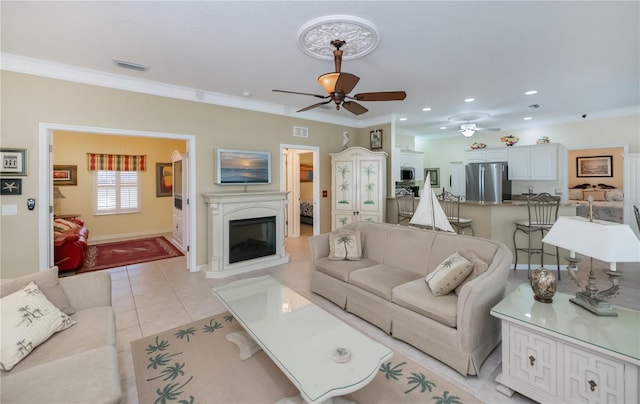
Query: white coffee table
{"type": "Point", "coordinates": [301, 338]}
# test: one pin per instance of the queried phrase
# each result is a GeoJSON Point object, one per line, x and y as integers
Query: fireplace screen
{"type": "Point", "coordinates": [252, 238]}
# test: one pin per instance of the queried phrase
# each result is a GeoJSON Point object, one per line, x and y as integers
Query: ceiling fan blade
{"type": "Point", "coordinates": [381, 96]}
{"type": "Point", "coordinates": [354, 107]}
{"type": "Point", "coordinates": [489, 129]}
{"type": "Point", "coordinates": [313, 106]}
{"type": "Point", "coordinates": [346, 82]}
{"type": "Point", "coordinates": [296, 92]}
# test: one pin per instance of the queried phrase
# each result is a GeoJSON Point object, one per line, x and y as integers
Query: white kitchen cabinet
{"type": "Point", "coordinates": [560, 352]}
{"type": "Point", "coordinates": [414, 159]}
{"type": "Point", "coordinates": [358, 186]}
{"type": "Point", "coordinates": [538, 162]}
{"type": "Point", "coordinates": [491, 155]}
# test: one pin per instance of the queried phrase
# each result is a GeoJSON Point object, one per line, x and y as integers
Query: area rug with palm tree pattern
{"type": "Point", "coordinates": [195, 363]}
{"type": "Point", "coordinates": [129, 252]}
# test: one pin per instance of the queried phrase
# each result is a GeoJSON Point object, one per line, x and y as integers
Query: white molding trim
{"type": "Point", "coordinates": [45, 186]}
{"type": "Point", "coordinates": [43, 68]}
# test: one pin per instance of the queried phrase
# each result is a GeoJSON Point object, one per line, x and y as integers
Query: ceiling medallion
{"type": "Point", "coordinates": [469, 117]}
{"type": "Point", "coordinates": [360, 35]}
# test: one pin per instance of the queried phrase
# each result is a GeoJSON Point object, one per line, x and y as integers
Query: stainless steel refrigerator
{"type": "Point", "coordinates": [487, 182]}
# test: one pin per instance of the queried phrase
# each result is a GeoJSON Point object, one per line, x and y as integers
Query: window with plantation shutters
{"type": "Point", "coordinates": [116, 192]}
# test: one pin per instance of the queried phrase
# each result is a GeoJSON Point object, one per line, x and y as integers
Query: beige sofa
{"type": "Point", "coordinates": [76, 365]}
{"type": "Point", "coordinates": [387, 288]}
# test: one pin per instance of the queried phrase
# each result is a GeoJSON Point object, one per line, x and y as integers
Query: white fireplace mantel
{"type": "Point", "coordinates": [224, 207]}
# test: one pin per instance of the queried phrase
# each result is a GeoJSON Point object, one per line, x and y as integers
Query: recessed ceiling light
{"type": "Point", "coordinates": [528, 118]}
{"type": "Point", "coordinates": [426, 109]}
{"type": "Point", "coordinates": [531, 92]}
{"type": "Point", "coordinates": [469, 99]}
{"type": "Point", "coordinates": [403, 119]}
{"type": "Point", "coordinates": [443, 127]}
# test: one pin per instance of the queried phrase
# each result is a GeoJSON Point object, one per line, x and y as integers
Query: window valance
{"type": "Point", "coordinates": [117, 162]}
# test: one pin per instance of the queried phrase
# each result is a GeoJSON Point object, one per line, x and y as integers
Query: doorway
{"type": "Point", "coordinates": [299, 176]}
{"type": "Point", "coordinates": [46, 133]}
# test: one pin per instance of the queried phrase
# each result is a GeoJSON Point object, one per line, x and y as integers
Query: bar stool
{"type": "Point", "coordinates": [451, 205]}
{"type": "Point", "coordinates": [405, 200]}
{"type": "Point", "coordinates": [543, 212]}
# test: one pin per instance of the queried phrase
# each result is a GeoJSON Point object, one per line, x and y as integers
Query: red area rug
{"type": "Point", "coordinates": [121, 253]}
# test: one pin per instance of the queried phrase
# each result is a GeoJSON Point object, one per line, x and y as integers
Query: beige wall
{"type": "Point", "coordinates": [306, 188]}
{"type": "Point", "coordinates": [591, 133]}
{"type": "Point", "coordinates": [27, 101]}
{"type": "Point", "coordinates": [617, 168]}
{"type": "Point", "coordinates": [71, 148]}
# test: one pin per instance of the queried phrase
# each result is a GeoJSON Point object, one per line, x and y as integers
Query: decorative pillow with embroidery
{"type": "Point", "coordinates": [614, 195]}
{"type": "Point", "coordinates": [345, 245]}
{"type": "Point", "coordinates": [47, 282]}
{"type": "Point", "coordinates": [28, 319]}
{"type": "Point", "coordinates": [575, 194]}
{"type": "Point", "coordinates": [449, 274]}
{"type": "Point", "coordinates": [597, 195]}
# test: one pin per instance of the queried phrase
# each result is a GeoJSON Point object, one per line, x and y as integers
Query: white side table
{"type": "Point", "coordinates": [559, 352]}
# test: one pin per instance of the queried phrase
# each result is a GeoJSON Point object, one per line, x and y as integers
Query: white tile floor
{"type": "Point", "coordinates": [156, 296]}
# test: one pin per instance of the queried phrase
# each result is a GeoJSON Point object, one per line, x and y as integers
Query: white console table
{"type": "Point", "coordinates": [559, 352]}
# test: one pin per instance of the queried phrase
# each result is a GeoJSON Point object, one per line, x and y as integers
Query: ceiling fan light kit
{"type": "Point", "coordinates": [338, 85]}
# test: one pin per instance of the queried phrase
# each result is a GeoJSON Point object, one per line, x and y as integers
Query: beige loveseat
{"type": "Point", "coordinates": [78, 364]}
{"type": "Point", "coordinates": [387, 288]}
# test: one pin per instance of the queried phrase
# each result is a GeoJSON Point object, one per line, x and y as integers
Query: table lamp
{"type": "Point", "coordinates": [57, 194]}
{"type": "Point", "coordinates": [606, 241]}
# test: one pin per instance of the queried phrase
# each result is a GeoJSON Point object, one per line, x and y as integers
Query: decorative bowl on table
{"type": "Point", "coordinates": [544, 285]}
{"type": "Point", "coordinates": [509, 140]}
{"type": "Point", "coordinates": [477, 145]}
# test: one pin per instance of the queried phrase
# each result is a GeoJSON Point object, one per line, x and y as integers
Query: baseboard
{"type": "Point", "coordinates": [121, 237]}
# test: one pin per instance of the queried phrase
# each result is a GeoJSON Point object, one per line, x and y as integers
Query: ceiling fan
{"type": "Point", "coordinates": [338, 84]}
{"type": "Point", "coordinates": [468, 129]}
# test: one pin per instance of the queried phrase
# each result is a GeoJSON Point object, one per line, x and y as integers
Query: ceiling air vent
{"type": "Point", "coordinates": [299, 131]}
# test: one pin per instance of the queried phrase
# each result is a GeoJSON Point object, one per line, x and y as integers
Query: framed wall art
{"type": "Point", "coordinates": [434, 176]}
{"type": "Point", "coordinates": [10, 186]}
{"type": "Point", "coordinates": [595, 166]}
{"type": "Point", "coordinates": [14, 161]}
{"type": "Point", "coordinates": [164, 179]}
{"type": "Point", "coordinates": [65, 175]}
{"type": "Point", "coordinates": [375, 139]}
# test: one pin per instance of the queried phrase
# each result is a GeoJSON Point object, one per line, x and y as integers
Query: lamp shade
{"type": "Point", "coordinates": [602, 240]}
{"type": "Point", "coordinates": [57, 194]}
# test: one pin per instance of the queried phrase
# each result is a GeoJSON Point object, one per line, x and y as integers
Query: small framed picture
{"type": "Point", "coordinates": [14, 161]}
{"type": "Point", "coordinates": [596, 166]}
{"type": "Point", "coordinates": [375, 138]}
{"type": "Point", "coordinates": [65, 175]}
{"type": "Point", "coordinates": [164, 179]}
{"type": "Point", "coordinates": [434, 176]}
{"type": "Point", "coordinates": [10, 186]}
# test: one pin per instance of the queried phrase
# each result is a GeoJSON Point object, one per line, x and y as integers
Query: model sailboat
{"type": "Point", "coordinates": [429, 212]}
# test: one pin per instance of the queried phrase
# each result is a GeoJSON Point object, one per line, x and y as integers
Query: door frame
{"type": "Point", "coordinates": [296, 184]}
{"type": "Point", "coordinates": [45, 184]}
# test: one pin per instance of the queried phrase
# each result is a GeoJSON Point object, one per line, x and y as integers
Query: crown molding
{"type": "Point", "coordinates": [43, 68]}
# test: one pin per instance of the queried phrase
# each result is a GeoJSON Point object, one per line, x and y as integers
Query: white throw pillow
{"type": "Point", "coordinates": [345, 245]}
{"type": "Point", "coordinates": [28, 319]}
{"type": "Point", "coordinates": [449, 274]}
{"type": "Point", "coordinates": [575, 194]}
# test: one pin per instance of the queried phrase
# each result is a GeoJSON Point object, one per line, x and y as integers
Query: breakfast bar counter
{"type": "Point", "coordinates": [496, 221]}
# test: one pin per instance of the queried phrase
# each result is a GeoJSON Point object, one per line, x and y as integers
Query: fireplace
{"type": "Point", "coordinates": [245, 232]}
{"type": "Point", "coordinates": [251, 238]}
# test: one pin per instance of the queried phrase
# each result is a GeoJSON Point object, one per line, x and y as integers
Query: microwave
{"type": "Point", "coordinates": [407, 173]}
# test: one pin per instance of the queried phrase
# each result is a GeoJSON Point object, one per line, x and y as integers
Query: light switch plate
{"type": "Point", "coordinates": [9, 210]}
